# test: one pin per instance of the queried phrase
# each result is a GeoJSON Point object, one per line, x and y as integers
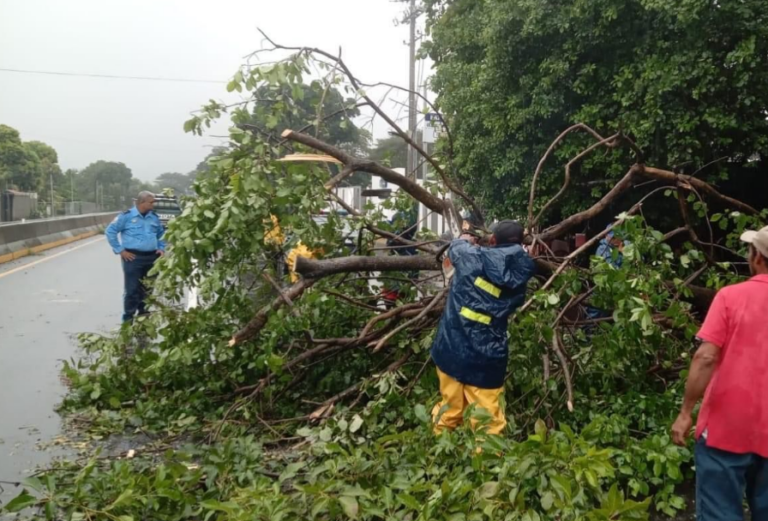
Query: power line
{"type": "Point", "coordinates": [111, 76]}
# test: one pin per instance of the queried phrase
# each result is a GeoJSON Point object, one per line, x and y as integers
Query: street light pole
{"type": "Point", "coordinates": [410, 170]}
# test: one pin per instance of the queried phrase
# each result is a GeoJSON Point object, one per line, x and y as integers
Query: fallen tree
{"type": "Point", "coordinates": [335, 385]}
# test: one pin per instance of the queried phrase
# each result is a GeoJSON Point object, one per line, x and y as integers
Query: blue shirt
{"type": "Point", "coordinates": [137, 232]}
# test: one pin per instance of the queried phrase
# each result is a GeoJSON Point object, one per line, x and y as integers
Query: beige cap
{"type": "Point", "coordinates": [758, 239]}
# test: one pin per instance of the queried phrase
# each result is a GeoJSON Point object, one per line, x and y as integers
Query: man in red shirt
{"type": "Point", "coordinates": [732, 367]}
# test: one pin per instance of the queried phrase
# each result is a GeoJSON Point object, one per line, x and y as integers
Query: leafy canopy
{"type": "Point", "coordinates": [688, 80]}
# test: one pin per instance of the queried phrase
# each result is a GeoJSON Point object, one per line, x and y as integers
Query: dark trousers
{"type": "Point", "coordinates": [134, 273]}
{"type": "Point", "coordinates": [722, 479]}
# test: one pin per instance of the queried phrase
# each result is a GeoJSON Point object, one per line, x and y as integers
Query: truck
{"type": "Point", "coordinates": [166, 208]}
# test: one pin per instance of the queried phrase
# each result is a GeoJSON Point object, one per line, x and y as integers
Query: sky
{"type": "Point", "coordinates": [138, 122]}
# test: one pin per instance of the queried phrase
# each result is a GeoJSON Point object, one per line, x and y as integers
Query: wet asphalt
{"type": "Point", "coordinates": [45, 300]}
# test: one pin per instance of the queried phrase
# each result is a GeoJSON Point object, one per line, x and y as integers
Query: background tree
{"type": "Point", "coordinates": [315, 104]}
{"type": "Point", "coordinates": [49, 170]}
{"type": "Point", "coordinates": [179, 183]}
{"type": "Point", "coordinates": [687, 80]}
{"type": "Point", "coordinates": [20, 167]}
{"type": "Point", "coordinates": [108, 183]}
{"type": "Point", "coordinates": [390, 150]}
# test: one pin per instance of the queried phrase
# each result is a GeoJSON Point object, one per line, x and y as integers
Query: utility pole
{"type": "Point", "coordinates": [53, 208]}
{"type": "Point", "coordinates": [412, 154]}
{"type": "Point", "coordinates": [425, 146]}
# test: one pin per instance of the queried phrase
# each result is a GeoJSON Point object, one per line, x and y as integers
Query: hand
{"type": "Point", "coordinates": [127, 256]}
{"type": "Point", "coordinates": [681, 428]}
{"type": "Point", "coordinates": [469, 238]}
{"type": "Point", "coordinates": [160, 253]}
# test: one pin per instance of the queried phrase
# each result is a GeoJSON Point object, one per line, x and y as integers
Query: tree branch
{"type": "Point", "coordinates": [257, 323]}
{"type": "Point", "coordinates": [685, 181]}
{"type": "Point", "coordinates": [315, 269]}
{"type": "Point", "coordinates": [411, 187]}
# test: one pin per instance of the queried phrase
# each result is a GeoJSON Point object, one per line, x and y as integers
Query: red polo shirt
{"type": "Point", "coordinates": [735, 408]}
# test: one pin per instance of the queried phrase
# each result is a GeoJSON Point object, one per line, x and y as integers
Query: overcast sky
{"type": "Point", "coordinates": [140, 122]}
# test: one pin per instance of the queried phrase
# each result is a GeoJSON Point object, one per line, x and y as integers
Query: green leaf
{"type": "Point", "coordinates": [357, 422]}
{"type": "Point", "coordinates": [319, 506]}
{"type": "Point", "coordinates": [209, 214]}
{"type": "Point", "coordinates": [229, 507]}
{"type": "Point", "coordinates": [553, 299]}
{"type": "Point", "coordinates": [562, 486]}
{"type": "Point", "coordinates": [421, 413]}
{"type": "Point", "coordinates": [33, 483]}
{"type": "Point", "coordinates": [409, 501]}
{"type": "Point", "coordinates": [488, 489]}
{"type": "Point", "coordinates": [673, 472]}
{"type": "Point", "coordinates": [677, 502]}
{"type": "Point", "coordinates": [114, 402]}
{"type": "Point", "coordinates": [350, 506]}
{"type": "Point", "coordinates": [614, 499]}
{"type": "Point", "coordinates": [20, 502]}
{"type": "Point", "coordinates": [591, 478]}
{"type": "Point", "coordinates": [547, 500]}
{"type": "Point", "coordinates": [124, 497]}
{"type": "Point", "coordinates": [291, 470]}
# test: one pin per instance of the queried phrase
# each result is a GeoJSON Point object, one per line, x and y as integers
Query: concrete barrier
{"type": "Point", "coordinates": [19, 239]}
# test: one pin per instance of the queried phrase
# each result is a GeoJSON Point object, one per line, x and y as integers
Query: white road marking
{"type": "Point", "coordinates": [27, 266]}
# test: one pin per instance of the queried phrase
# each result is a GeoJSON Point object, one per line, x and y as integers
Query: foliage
{"type": "Point", "coordinates": [107, 183]}
{"type": "Point", "coordinates": [358, 469]}
{"type": "Point", "coordinates": [313, 104]}
{"type": "Point", "coordinates": [52, 176]}
{"type": "Point", "coordinates": [390, 151]}
{"type": "Point", "coordinates": [299, 423]}
{"type": "Point", "coordinates": [687, 80]}
{"type": "Point", "coordinates": [181, 184]}
{"type": "Point", "coordinates": [25, 166]}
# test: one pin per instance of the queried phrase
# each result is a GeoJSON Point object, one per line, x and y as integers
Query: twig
{"type": "Point", "coordinates": [567, 177]}
{"type": "Point", "coordinates": [351, 300]}
{"type": "Point", "coordinates": [418, 375]}
{"type": "Point", "coordinates": [418, 317]}
{"type": "Point", "coordinates": [556, 347]}
{"type": "Point", "coordinates": [578, 126]}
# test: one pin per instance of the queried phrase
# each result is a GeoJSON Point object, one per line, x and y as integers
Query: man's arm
{"type": "Point", "coordinates": [115, 227]}
{"type": "Point", "coordinates": [702, 368]}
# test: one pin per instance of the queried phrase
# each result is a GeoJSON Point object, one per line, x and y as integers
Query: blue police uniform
{"type": "Point", "coordinates": [142, 236]}
{"type": "Point", "coordinates": [488, 285]}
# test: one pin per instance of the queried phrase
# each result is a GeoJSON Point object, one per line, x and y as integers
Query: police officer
{"type": "Point", "coordinates": [141, 235]}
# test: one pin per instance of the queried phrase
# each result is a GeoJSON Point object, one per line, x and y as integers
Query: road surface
{"type": "Point", "coordinates": [44, 301]}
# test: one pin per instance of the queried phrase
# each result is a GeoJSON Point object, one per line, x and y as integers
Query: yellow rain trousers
{"type": "Point", "coordinates": [457, 397]}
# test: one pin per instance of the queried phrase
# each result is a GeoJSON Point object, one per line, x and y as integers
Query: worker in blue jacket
{"type": "Point", "coordinates": [470, 347]}
{"type": "Point", "coordinates": [140, 245]}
